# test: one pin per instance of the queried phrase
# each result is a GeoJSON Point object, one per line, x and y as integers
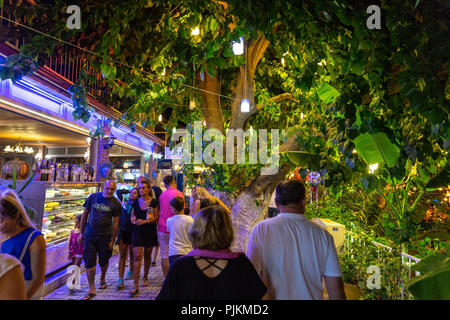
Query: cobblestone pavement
{"type": "Point", "coordinates": [155, 278]}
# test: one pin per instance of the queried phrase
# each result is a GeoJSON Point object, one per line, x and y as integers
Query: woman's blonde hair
{"type": "Point", "coordinates": [200, 192]}
{"type": "Point", "coordinates": [212, 229]}
{"type": "Point", "coordinates": [11, 207]}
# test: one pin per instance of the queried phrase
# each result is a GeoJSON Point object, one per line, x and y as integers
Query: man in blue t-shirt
{"type": "Point", "coordinates": [99, 226]}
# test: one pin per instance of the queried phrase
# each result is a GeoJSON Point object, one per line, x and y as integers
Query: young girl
{"type": "Point", "coordinates": [75, 248]}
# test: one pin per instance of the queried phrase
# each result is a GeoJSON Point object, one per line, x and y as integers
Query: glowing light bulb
{"type": "Point", "coordinates": [245, 105]}
{"type": "Point", "coordinates": [160, 118]}
{"type": "Point", "coordinates": [354, 151]}
{"type": "Point", "coordinates": [174, 129]}
{"type": "Point", "coordinates": [301, 115]}
{"type": "Point", "coordinates": [195, 31]}
{"type": "Point", "coordinates": [373, 167]}
{"type": "Point", "coordinates": [238, 47]}
{"type": "Point", "coordinates": [282, 61]}
{"type": "Point", "coordinates": [204, 122]}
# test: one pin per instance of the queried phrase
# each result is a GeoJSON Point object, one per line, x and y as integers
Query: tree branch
{"type": "Point", "coordinates": [211, 106]}
{"type": "Point", "coordinates": [277, 99]}
{"type": "Point", "coordinates": [245, 85]}
{"type": "Point", "coordinates": [261, 183]}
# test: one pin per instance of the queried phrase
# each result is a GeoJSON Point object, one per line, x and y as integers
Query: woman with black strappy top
{"type": "Point", "coordinates": [212, 271]}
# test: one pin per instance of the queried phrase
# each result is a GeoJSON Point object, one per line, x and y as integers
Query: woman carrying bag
{"type": "Point", "coordinates": [19, 238]}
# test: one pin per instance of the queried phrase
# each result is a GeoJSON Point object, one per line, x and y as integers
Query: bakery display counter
{"type": "Point", "coordinates": [57, 204]}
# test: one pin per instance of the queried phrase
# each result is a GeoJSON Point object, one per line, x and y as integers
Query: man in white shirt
{"type": "Point", "coordinates": [292, 254]}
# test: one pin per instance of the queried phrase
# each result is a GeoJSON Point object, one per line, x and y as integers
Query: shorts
{"type": "Point", "coordinates": [164, 238]}
{"type": "Point", "coordinates": [124, 237]}
{"type": "Point", "coordinates": [95, 246]}
{"type": "Point", "coordinates": [146, 240]}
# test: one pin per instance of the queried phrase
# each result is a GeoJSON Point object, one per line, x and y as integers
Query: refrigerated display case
{"type": "Point", "coordinates": [57, 204]}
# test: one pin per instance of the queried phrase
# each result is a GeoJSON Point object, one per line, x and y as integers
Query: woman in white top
{"type": "Point", "coordinates": [12, 282]}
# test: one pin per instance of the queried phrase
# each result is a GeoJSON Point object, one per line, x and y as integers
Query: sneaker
{"type": "Point", "coordinates": [130, 275]}
{"type": "Point", "coordinates": [120, 284]}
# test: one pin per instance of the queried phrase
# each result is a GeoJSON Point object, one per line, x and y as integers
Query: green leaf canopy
{"type": "Point", "coordinates": [377, 148]}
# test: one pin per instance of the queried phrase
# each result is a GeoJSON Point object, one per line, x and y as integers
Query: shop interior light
{"type": "Point", "coordinates": [28, 150]}
{"type": "Point", "coordinates": [245, 105]}
{"type": "Point", "coordinates": [19, 148]}
{"type": "Point", "coordinates": [238, 47]}
{"type": "Point", "coordinates": [195, 31]}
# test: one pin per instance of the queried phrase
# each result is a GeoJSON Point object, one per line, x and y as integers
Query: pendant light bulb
{"type": "Point", "coordinates": [245, 105]}
{"type": "Point", "coordinates": [238, 47]}
{"type": "Point", "coordinates": [195, 32]}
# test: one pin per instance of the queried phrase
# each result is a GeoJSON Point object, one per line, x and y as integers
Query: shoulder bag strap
{"type": "Point", "coordinates": [26, 246]}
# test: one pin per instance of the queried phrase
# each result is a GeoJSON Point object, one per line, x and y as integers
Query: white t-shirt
{"type": "Point", "coordinates": [178, 226]}
{"type": "Point", "coordinates": [292, 254]}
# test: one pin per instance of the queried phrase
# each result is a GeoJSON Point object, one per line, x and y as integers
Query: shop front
{"type": "Point", "coordinates": [55, 164]}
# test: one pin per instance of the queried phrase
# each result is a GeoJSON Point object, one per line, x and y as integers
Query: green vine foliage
{"type": "Point", "coordinates": [346, 80]}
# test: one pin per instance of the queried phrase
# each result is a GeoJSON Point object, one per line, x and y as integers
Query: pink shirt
{"type": "Point", "coordinates": [164, 206]}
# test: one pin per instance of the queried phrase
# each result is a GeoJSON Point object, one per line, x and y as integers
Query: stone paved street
{"type": "Point", "coordinates": [155, 278]}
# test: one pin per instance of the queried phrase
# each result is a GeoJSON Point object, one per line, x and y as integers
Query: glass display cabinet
{"type": "Point", "coordinates": [57, 204]}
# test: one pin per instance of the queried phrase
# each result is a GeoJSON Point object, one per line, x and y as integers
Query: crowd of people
{"type": "Point", "coordinates": [287, 257]}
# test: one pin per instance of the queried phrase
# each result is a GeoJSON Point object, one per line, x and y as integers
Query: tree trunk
{"type": "Point", "coordinates": [245, 85]}
{"type": "Point", "coordinates": [211, 106]}
{"type": "Point", "coordinates": [252, 204]}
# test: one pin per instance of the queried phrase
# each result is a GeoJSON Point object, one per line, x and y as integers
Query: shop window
{"type": "Point", "coordinates": [76, 150]}
{"type": "Point", "coordinates": [56, 151]}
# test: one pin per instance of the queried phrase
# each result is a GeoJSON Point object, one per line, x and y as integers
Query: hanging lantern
{"type": "Point", "coordinates": [238, 47]}
{"type": "Point", "coordinates": [245, 105]}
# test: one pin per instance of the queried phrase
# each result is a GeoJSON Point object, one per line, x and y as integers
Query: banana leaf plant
{"type": "Point", "coordinates": [434, 279]}
{"type": "Point", "coordinates": [401, 187]}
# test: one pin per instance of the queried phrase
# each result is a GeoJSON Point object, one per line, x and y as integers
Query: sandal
{"type": "Point", "coordinates": [144, 283]}
{"type": "Point", "coordinates": [134, 292]}
{"type": "Point", "coordinates": [88, 296]}
{"type": "Point", "coordinates": [120, 285]}
{"type": "Point", "coordinates": [103, 286]}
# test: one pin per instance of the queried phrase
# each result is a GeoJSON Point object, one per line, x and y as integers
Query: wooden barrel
{"type": "Point", "coordinates": [22, 169]}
